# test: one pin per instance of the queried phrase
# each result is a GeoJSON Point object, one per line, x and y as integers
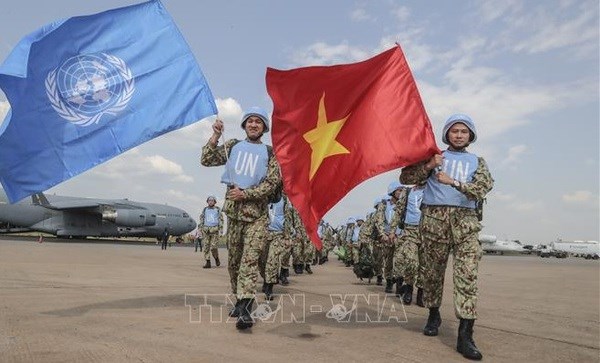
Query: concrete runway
{"type": "Point", "coordinates": [77, 302]}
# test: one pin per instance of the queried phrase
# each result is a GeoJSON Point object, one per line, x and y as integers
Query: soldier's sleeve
{"type": "Point", "coordinates": [399, 210]}
{"type": "Point", "coordinates": [365, 230]}
{"type": "Point", "coordinates": [415, 173]}
{"type": "Point", "coordinates": [481, 184]}
{"type": "Point", "coordinates": [201, 219]}
{"type": "Point", "coordinates": [268, 184]}
{"type": "Point", "coordinates": [216, 156]}
{"type": "Point", "coordinates": [288, 224]}
{"type": "Point", "coordinates": [220, 222]}
{"type": "Point", "coordinates": [379, 219]}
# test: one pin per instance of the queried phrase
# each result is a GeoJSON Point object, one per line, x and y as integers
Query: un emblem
{"type": "Point", "coordinates": [85, 87]}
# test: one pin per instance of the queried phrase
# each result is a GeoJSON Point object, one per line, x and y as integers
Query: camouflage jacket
{"type": "Point", "coordinates": [380, 213]}
{"type": "Point", "coordinates": [215, 228]}
{"type": "Point", "coordinates": [365, 236]}
{"type": "Point", "coordinates": [256, 204]}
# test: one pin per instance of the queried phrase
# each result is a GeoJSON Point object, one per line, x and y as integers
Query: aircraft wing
{"type": "Point", "coordinates": [81, 204]}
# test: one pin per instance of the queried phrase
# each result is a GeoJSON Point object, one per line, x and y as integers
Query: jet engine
{"type": "Point", "coordinates": [130, 217]}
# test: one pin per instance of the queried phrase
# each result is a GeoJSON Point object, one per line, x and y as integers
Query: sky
{"type": "Point", "coordinates": [527, 72]}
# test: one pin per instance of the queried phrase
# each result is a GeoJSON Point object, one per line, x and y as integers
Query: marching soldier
{"type": "Point", "coordinates": [406, 267]}
{"type": "Point", "coordinates": [211, 222]}
{"type": "Point", "coordinates": [252, 177]}
{"type": "Point", "coordinates": [457, 182]}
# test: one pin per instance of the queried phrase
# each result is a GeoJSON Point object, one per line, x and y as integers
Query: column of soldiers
{"type": "Point", "coordinates": [420, 226]}
{"type": "Point", "coordinates": [411, 232]}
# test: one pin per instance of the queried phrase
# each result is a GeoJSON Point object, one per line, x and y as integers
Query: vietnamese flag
{"type": "Point", "coordinates": [336, 126]}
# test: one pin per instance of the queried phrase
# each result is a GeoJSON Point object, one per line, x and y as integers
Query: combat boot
{"type": "Point", "coordinates": [379, 280]}
{"type": "Point", "coordinates": [298, 269]}
{"type": "Point", "coordinates": [236, 311]}
{"type": "Point", "coordinates": [245, 320]}
{"type": "Point", "coordinates": [407, 294]}
{"type": "Point", "coordinates": [283, 276]}
{"type": "Point", "coordinates": [324, 259]}
{"type": "Point", "coordinates": [420, 297]}
{"type": "Point", "coordinates": [465, 344]}
{"type": "Point", "coordinates": [207, 265]}
{"type": "Point", "coordinates": [268, 292]}
{"type": "Point", "coordinates": [389, 284]}
{"type": "Point", "coordinates": [264, 287]}
{"type": "Point", "coordinates": [307, 268]}
{"type": "Point", "coordinates": [399, 286]}
{"type": "Point", "coordinates": [433, 322]}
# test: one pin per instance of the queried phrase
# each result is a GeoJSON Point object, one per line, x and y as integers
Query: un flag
{"type": "Point", "coordinates": [85, 89]}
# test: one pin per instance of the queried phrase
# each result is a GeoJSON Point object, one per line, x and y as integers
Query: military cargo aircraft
{"type": "Point", "coordinates": [74, 217]}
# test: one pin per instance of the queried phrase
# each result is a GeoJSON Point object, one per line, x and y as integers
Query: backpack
{"type": "Point", "coordinates": [276, 195]}
{"type": "Point", "coordinates": [364, 268]}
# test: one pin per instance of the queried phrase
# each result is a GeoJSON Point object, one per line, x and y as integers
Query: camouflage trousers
{"type": "Point", "coordinates": [378, 258]}
{"type": "Point", "coordinates": [407, 256]}
{"type": "Point", "coordinates": [278, 246]}
{"type": "Point", "coordinates": [389, 248]}
{"type": "Point", "coordinates": [245, 243]}
{"type": "Point", "coordinates": [444, 231]}
{"type": "Point", "coordinates": [303, 252]}
{"type": "Point", "coordinates": [210, 236]}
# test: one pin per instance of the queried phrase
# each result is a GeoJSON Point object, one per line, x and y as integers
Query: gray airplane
{"type": "Point", "coordinates": [82, 217]}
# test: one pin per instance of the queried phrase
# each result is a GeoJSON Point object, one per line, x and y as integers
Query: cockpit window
{"type": "Point", "coordinates": [185, 215]}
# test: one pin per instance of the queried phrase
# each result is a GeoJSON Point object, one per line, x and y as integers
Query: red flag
{"type": "Point", "coordinates": [336, 126]}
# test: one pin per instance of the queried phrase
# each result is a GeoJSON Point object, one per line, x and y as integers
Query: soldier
{"type": "Point", "coordinates": [377, 235]}
{"type": "Point", "coordinates": [347, 240]}
{"type": "Point", "coordinates": [211, 222]}
{"type": "Point", "coordinates": [406, 267]}
{"type": "Point", "coordinates": [252, 176]}
{"type": "Point", "coordinates": [355, 238]}
{"type": "Point", "coordinates": [297, 232]}
{"type": "Point", "coordinates": [279, 241]}
{"type": "Point", "coordinates": [457, 182]}
{"type": "Point", "coordinates": [397, 194]}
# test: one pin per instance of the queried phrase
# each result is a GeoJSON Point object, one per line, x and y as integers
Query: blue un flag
{"type": "Point", "coordinates": [85, 89]}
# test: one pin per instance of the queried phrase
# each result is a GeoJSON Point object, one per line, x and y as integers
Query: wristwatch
{"type": "Point", "coordinates": [456, 184]}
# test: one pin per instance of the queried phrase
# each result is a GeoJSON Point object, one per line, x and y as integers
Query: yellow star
{"type": "Point", "coordinates": [322, 139]}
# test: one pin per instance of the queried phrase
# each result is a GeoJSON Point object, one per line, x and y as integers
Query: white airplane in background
{"type": "Point", "coordinates": [491, 244]}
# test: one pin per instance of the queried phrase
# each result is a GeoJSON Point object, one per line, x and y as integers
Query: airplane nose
{"type": "Point", "coordinates": [192, 223]}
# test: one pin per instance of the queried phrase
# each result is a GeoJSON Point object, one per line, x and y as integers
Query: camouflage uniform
{"type": "Point", "coordinates": [296, 233]}
{"type": "Point", "coordinates": [389, 247]}
{"type": "Point", "coordinates": [247, 222]}
{"type": "Point", "coordinates": [450, 229]}
{"type": "Point", "coordinates": [407, 256]}
{"type": "Point", "coordinates": [211, 235]}
{"type": "Point", "coordinates": [378, 228]}
{"type": "Point", "coordinates": [279, 244]}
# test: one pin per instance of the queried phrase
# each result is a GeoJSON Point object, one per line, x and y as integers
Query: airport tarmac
{"type": "Point", "coordinates": [116, 302]}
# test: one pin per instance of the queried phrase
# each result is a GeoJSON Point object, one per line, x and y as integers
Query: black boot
{"type": "Point", "coordinates": [269, 292]}
{"type": "Point", "coordinates": [283, 276]}
{"type": "Point", "coordinates": [264, 287]}
{"type": "Point", "coordinates": [399, 286]}
{"type": "Point", "coordinates": [298, 269]}
{"type": "Point", "coordinates": [433, 322]}
{"type": "Point", "coordinates": [379, 280]}
{"type": "Point", "coordinates": [389, 284]}
{"type": "Point", "coordinates": [216, 256]}
{"type": "Point", "coordinates": [207, 265]}
{"type": "Point", "coordinates": [407, 294]}
{"type": "Point", "coordinates": [420, 297]}
{"type": "Point", "coordinates": [465, 344]}
{"type": "Point", "coordinates": [245, 320]}
{"type": "Point", "coordinates": [307, 268]}
{"type": "Point", "coordinates": [322, 260]}
{"type": "Point", "coordinates": [236, 311]}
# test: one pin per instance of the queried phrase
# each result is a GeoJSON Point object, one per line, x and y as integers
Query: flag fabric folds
{"type": "Point", "coordinates": [85, 89]}
{"type": "Point", "coordinates": [336, 126]}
